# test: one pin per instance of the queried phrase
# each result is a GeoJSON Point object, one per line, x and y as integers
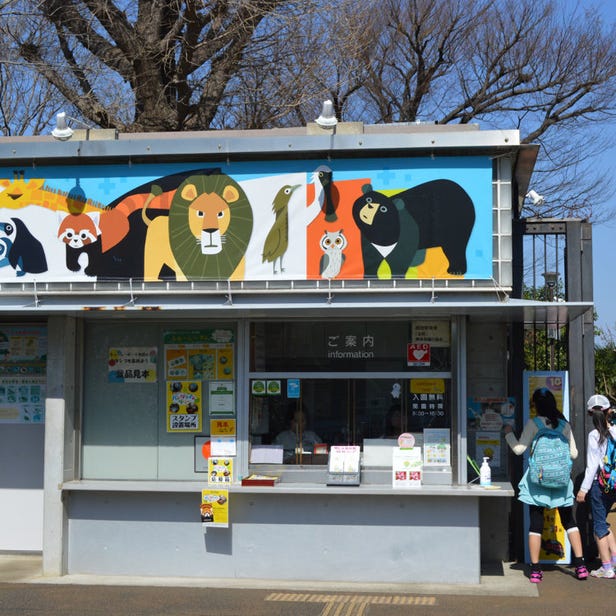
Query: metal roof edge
{"type": "Point", "coordinates": [326, 303]}
{"type": "Point", "coordinates": [212, 144]}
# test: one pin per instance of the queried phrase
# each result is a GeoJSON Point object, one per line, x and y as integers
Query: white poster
{"type": "Point", "coordinates": [406, 467]}
{"type": "Point", "coordinates": [132, 364]}
{"type": "Point", "coordinates": [221, 398]}
{"type": "Point", "coordinates": [437, 447]}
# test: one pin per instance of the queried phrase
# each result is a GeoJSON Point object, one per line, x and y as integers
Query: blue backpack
{"type": "Point", "coordinates": [550, 462]}
{"type": "Point", "coordinates": [607, 474]}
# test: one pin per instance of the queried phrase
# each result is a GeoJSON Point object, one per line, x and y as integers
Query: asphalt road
{"type": "Point", "coordinates": [559, 594]}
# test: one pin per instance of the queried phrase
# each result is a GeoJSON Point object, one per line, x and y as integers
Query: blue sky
{"type": "Point", "coordinates": [604, 234]}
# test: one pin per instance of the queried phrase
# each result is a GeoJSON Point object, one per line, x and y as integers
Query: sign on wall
{"type": "Point", "coordinates": [184, 406]}
{"type": "Point", "coordinates": [132, 364]}
{"type": "Point", "coordinates": [192, 358]}
{"type": "Point", "coordinates": [214, 508]}
{"type": "Point", "coordinates": [417, 354]}
{"type": "Point", "coordinates": [296, 220]}
{"type": "Point", "coordinates": [23, 365]}
{"type": "Point", "coordinates": [199, 355]}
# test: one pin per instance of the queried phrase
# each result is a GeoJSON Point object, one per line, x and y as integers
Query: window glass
{"type": "Point", "coordinates": [344, 412]}
{"type": "Point", "coordinates": [299, 418]}
{"type": "Point", "coordinates": [350, 346]}
{"type": "Point", "coordinates": [140, 420]}
{"type": "Point", "coordinates": [364, 380]}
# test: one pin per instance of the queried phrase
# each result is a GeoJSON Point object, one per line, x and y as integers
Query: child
{"type": "Point", "coordinates": [538, 497]}
{"type": "Point", "coordinates": [603, 419]}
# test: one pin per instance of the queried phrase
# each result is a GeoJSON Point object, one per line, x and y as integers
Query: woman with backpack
{"type": "Point", "coordinates": [601, 499]}
{"type": "Point", "coordinates": [539, 497]}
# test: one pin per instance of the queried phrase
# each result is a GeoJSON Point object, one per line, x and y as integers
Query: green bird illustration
{"type": "Point", "coordinates": [277, 240]}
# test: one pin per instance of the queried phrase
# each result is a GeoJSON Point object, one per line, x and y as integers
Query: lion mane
{"type": "Point", "coordinates": [210, 224]}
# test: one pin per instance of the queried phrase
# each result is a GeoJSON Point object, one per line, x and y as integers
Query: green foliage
{"type": "Point", "coordinates": [541, 352]}
{"type": "Point", "coordinates": [545, 348]}
{"type": "Point", "coordinates": [605, 364]}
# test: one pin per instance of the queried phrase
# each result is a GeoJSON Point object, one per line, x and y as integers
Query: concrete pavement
{"type": "Point", "coordinates": [508, 580]}
{"type": "Point", "coordinates": [505, 590]}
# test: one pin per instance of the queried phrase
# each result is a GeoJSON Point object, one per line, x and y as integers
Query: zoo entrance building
{"type": "Point", "coordinates": [176, 308]}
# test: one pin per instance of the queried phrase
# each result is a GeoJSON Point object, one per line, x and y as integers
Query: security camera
{"type": "Point", "coordinates": [535, 197]}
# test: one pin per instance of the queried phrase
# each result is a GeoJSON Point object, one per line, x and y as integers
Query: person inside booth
{"type": "Point", "coordinates": [393, 422]}
{"type": "Point", "coordinates": [296, 438]}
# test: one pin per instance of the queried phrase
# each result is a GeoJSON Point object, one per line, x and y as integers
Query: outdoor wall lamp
{"type": "Point", "coordinates": [551, 280]}
{"type": "Point", "coordinates": [327, 119]}
{"type": "Point", "coordinates": [63, 131]}
{"type": "Point", "coordinates": [553, 332]}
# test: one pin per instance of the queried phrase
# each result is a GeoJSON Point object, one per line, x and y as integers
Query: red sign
{"type": "Point", "coordinates": [417, 354]}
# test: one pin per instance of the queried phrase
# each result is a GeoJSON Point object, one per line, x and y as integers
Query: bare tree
{"type": "Point", "coordinates": [165, 65]}
{"type": "Point", "coordinates": [25, 101]}
{"type": "Point", "coordinates": [25, 97]}
{"type": "Point", "coordinates": [146, 65]}
{"type": "Point", "coordinates": [523, 63]}
{"type": "Point", "coordinates": [324, 55]}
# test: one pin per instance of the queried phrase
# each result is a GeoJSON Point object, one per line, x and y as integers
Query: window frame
{"type": "Point", "coordinates": [301, 473]}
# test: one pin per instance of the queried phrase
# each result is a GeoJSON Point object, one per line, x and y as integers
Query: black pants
{"type": "Point", "coordinates": [536, 518]}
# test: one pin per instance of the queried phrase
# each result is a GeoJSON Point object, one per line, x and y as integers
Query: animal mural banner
{"type": "Point", "coordinates": [294, 220]}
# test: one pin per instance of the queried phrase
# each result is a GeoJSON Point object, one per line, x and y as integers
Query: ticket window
{"type": "Point", "coordinates": [343, 382]}
{"type": "Point", "coordinates": [345, 412]}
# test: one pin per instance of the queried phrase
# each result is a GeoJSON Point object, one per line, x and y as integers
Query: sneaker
{"type": "Point", "coordinates": [536, 577]}
{"type": "Point", "coordinates": [603, 573]}
{"type": "Point", "coordinates": [581, 572]}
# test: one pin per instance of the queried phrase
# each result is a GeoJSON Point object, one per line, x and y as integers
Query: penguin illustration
{"type": "Point", "coordinates": [5, 248]}
{"type": "Point", "coordinates": [26, 255]}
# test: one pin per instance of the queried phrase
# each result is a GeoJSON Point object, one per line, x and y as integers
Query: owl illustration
{"type": "Point", "coordinates": [332, 244]}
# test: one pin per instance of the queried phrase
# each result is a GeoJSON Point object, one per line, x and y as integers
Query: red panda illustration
{"type": "Point", "coordinates": [77, 230]}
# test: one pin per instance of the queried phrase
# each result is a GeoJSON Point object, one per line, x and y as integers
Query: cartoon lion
{"type": "Point", "coordinates": [206, 234]}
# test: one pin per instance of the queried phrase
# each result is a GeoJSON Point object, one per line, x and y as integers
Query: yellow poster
{"type": "Point", "coordinates": [225, 362]}
{"type": "Point", "coordinates": [552, 381]}
{"type": "Point", "coordinates": [132, 364]}
{"type": "Point", "coordinates": [199, 361]}
{"type": "Point", "coordinates": [553, 538]}
{"type": "Point", "coordinates": [184, 406]}
{"type": "Point", "coordinates": [222, 427]}
{"type": "Point", "coordinates": [427, 386]}
{"type": "Point", "coordinates": [215, 508]}
{"type": "Point", "coordinates": [219, 471]}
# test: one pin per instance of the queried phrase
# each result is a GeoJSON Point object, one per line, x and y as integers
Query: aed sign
{"type": "Point", "coordinates": [417, 354]}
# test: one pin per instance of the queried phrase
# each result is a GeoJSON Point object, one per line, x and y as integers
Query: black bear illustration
{"type": "Point", "coordinates": [398, 230]}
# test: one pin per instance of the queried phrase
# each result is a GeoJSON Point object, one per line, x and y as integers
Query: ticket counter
{"type": "Point", "coordinates": [289, 532]}
{"type": "Point", "coordinates": [141, 482]}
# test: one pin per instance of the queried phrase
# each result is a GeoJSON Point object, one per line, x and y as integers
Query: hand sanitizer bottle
{"type": "Point", "coordinates": [485, 474]}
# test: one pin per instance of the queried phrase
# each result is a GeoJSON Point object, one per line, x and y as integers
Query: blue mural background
{"type": "Point", "coordinates": [260, 184]}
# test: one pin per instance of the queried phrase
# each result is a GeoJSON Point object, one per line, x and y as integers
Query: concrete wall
{"type": "Point", "coordinates": [392, 538]}
{"type": "Point", "coordinates": [21, 487]}
{"type": "Point", "coordinates": [487, 377]}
